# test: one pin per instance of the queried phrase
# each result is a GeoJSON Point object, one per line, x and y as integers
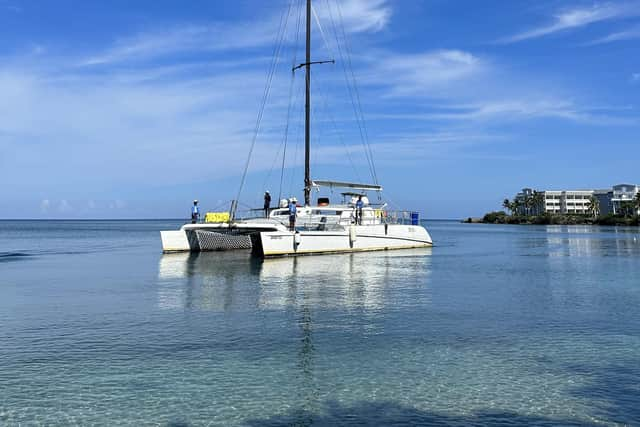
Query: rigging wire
{"type": "Point", "coordinates": [274, 162]}
{"type": "Point", "coordinates": [324, 38]}
{"type": "Point", "coordinates": [327, 111]}
{"type": "Point", "coordinates": [290, 106]}
{"type": "Point", "coordinates": [296, 149]}
{"type": "Point", "coordinates": [265, 96]}
{"type": "Point", "coordinates": [219, 206]}
{"type": "Point", "coordinates": [283, 144]}
{"type": "Point", "coordinates": [318, 130]}
{"type": "Point", "coordinates": [352, 87]}
{"type": "Point", "coordinates": [348, 85]}
{"type": "Point", "coordinates": [357, 92]}
{"type": "Point", "coordinates": [325, 96]}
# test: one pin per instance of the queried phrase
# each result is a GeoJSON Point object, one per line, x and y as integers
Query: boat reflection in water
{"type": "Point", "coordinates": [224, 281]}
{"type": "Point", "coordinates": [295, 313]}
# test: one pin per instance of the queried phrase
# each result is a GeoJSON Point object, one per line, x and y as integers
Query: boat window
{"type": "Point", "coordinates": [325, 212]}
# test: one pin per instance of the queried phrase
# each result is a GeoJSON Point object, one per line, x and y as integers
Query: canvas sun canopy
{"type": "Point", "coordinates": [341, 184]}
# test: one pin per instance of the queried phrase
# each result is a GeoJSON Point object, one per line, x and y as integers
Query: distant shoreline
{"type": "Point", "coordinates": [501, 217]}
{"type": "Point", "coordinates": [161, 219]}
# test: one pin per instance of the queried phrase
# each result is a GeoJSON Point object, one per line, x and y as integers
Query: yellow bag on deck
{"type": "Point", "coordinates": [216, 217]}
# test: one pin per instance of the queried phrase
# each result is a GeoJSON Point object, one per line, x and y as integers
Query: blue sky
{"type": "Point", "coordinates": [131, 109]}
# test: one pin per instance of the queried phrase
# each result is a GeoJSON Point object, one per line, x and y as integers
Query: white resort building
{"type": "Point", "coordinates": [623, 198]}
{"type": "Point", "coordinates": [567, 201]}
{"type": "Point", "coordinates": [615, 200]}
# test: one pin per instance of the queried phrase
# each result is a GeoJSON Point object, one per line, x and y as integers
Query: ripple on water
{"type": "Point", "coordinates": [497, 326]}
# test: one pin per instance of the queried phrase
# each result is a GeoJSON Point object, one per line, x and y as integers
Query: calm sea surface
{"type": "Point", "coordinates": [496, 325]}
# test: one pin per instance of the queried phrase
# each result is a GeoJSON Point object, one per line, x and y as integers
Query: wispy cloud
{"type": "Point", "coordinates": [578, 17]}
{"type": "Point", "coordinates": [635, 77]}
{"type": "Point", "coordinates": [64, 206]}
{"type": "Point", "coordinates": [183, 39]}
{"type": "Point", "coordinates": [536, 108]}
{"type": "Point", "coordinates": [629, 34]}
{"type": "Point", "coordinates": [406, 146]}
{"type": "Point", "coordinates": [425, 72]}
{"type": "Point", "coordinates": [168, 123]}
{"type": "Point", "coordinates": [108, 122]}
{"type": "Point", "coordinates": [518, 108]}
{"type": "Point", "coordinates": [357, 16]}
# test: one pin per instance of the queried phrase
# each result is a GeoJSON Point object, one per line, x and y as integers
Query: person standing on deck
{"type": "Point", "coordinates": [359, 206]}
{"type": "Point", "coordinates": [267, 203]}
{"type": "Point", "coordinates": [195, 212]}
{"type": "Point", "coordinates": [292, 213]}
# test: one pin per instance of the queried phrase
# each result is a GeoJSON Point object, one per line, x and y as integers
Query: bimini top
{"type": "Point", "coordinates": [340, 184]}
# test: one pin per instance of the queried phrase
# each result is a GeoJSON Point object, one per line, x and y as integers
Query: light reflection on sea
{"type": "Point", "coordinates": [215, 281]}
{"type": "Point", "coordinates": [496, 325]}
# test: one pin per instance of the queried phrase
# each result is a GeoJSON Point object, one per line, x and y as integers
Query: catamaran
{"type": "Point", "coordinates": [352, 225]}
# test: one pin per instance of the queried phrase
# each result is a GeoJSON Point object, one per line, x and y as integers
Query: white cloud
{"type": "Point", "coordinates": [79, 130]}
{"type": "Point", "coordinates": [357, 15]}
{"type": "Point", "coordinates": [158, 126]}
{"type": "Point", "coordinates": [579, 17]}
{"type": "Point", "coordinates": [425, 72]}
{"type": "Point", "coordinates": [520, 107]}
{"type": "Point", "coordinates": [184, 39]}
{"type": "Point", "coordinates": [458, 86]}
{"type": "Point", "coordinates": [629, 34]}
{"type": "Point", "coordinates": [64, 206]}
{"type": "Point", "coordinates": [45, 205]}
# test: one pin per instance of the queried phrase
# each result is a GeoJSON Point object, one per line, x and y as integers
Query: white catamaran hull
{"type": "Point", "coordinates": [215, 236]}
{"type": "Point", "coordinates": [355, 238]}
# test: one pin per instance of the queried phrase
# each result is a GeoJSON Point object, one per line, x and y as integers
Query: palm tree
{"type": "Point", "coordinates": [506, 204]}
{"type": "Point", "coordinates": [593, 207]}
{"type": "Point", "coordinates": [515, 206]}
{"type": "Point", "coordinates": [627, 207]}
{"type": "Point", "coordinates": [538, 202]}
{"type": "Point", "coordinates": [528, 204]}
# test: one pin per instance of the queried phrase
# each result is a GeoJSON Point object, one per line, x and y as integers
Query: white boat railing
{"type": "Point", "coordinates": [400, 217]}
{"type": "Point", "coordinates": [370, 217]}
{"type": "Point", "coordinates": [381, 216]}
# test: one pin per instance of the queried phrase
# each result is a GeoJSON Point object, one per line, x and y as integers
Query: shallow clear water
{"type": "Point", "coordinates": [496, 325]}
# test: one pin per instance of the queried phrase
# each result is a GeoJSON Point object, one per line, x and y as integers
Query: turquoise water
{"type": "Point", "coordinates": [497, 325]}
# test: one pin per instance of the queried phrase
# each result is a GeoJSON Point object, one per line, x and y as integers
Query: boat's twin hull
{"type": "Point", "coordinates": [215, 237]}
{"type": "Point", "coordinates": [356, 238]}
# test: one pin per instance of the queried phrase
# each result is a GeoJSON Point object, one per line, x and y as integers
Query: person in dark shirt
{"type": "Point", "coordinates": [267, 203]}
{"type": "Point", "coordinates": [293, 210]}
{"type": "Point", "coordinates": [359, 206]}
{"type": "Point", "coordinates": [195, 212]}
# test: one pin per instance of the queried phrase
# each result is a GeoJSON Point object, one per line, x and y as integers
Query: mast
{"type": "Point", "coordinates": [307, 108]}
{"type": "Point", "coordinates": [307, 113]}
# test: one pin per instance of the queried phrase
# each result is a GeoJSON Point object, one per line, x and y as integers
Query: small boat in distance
{"type": "Point", "coordinates": [353, 225]}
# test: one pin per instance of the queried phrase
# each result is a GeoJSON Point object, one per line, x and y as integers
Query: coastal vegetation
{"type": "Point", "coordinates": [531, 210]}
{"type": "Point", "coordinates": [501, 217]}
